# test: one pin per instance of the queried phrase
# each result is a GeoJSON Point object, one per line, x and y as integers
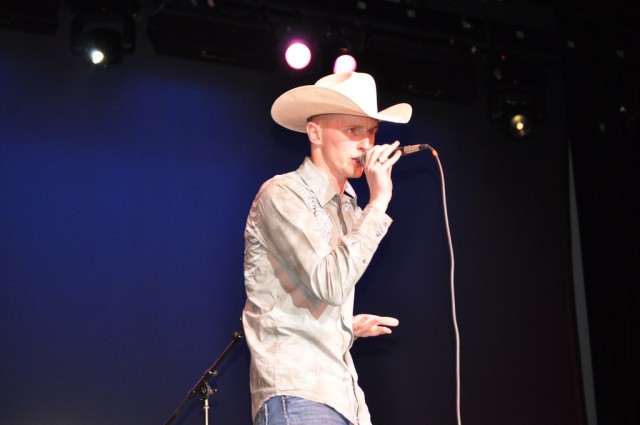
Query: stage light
{"type": "Point", "coordinates": [516, 94]}
{"type": "Point", "coordinates": [518, 110]}
{"type": "Point", "coordinates": [520, 125]}
{"type": "Point", "coordinates": [102, 47]}
{"type": "Point", "coordinates": [345, 63]}
{"type": "Point", "coordinates": [314, 48]}
{"type": "Point", "coordinates": [298, 55]}
{"type": "Point", "coordinates": [97, 56]}
{"type": "Point", "coordinates": [299, 45]}
{"type": "Point", "coordinates": [102, 36]}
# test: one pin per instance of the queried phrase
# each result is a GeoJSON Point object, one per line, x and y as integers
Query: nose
{"type": "Point", "coordinates": [366, 143]}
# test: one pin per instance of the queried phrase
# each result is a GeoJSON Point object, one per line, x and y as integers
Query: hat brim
{"type": "Point", "coordinates": [292, 109]}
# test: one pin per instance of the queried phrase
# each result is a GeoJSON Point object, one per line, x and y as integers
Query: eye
{"type": "Point", "coordinates": [355, 131]}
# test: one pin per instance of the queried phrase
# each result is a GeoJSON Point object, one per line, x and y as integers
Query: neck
{"type": "Point", "coordinates": [338, 184]}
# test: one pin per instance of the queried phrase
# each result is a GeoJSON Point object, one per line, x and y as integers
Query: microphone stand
{"type": "Point", "coordinates": [202, 387]}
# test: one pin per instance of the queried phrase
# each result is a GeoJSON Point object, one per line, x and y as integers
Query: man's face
{"type": "Point", "coordinates": [343, 138]}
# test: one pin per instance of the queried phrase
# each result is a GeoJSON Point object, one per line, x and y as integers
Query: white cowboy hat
{"type": "Point", "coordinates": [352, 93]}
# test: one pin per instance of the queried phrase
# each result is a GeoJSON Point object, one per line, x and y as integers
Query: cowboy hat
{"type": "Point", "coordinates": [352, 93]}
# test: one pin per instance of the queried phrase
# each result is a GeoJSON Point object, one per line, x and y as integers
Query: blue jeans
{"type": "Point", "coordinates": [290, 410]}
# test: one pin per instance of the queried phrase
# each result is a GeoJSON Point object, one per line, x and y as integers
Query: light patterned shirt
{"type": "Point", "coordinates": [306, 247]}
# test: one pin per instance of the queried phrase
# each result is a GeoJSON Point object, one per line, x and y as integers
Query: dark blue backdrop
{"type": "Point", "coordinates": [123, 197]}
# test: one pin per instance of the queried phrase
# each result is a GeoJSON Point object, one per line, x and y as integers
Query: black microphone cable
{"type": "Point", "coordinates": [452, 284]}
{"type": "Point", "coordinates": [408, 150]}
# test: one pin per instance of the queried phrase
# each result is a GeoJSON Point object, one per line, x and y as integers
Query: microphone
{"type": "Point", "coordinates": [405, 150]}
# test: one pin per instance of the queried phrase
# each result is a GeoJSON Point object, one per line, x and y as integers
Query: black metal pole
{"type": "Point", "coordinates": [202, 387]}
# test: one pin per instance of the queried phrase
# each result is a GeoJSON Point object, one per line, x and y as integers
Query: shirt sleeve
{"type": "Point", "coordinates": [293, 231]}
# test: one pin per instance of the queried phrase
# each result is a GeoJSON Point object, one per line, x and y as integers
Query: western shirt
{"type": "Point", "coordinates": [306, 247]}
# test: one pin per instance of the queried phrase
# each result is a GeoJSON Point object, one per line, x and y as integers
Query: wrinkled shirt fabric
{"type": "Point", "coordinates": [306, 247]}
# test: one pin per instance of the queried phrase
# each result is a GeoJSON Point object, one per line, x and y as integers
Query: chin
{"type": "Point", "coordinates": [357, 173]}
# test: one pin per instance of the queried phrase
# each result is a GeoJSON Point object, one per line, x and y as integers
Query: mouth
{"type": "Point", "coordinates": [359, 159]}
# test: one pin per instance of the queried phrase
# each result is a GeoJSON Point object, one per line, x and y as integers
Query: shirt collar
{"type": "Point", "coordinates": [319, 184]}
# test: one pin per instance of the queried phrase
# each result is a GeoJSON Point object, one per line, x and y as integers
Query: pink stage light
{"type": "Point", "coordinates": [344, 63]}
{"type": "Point", "coordinates": [298, 55]}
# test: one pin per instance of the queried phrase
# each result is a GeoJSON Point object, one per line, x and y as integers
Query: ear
{"type": "Point", "coordinates": [314, 131]}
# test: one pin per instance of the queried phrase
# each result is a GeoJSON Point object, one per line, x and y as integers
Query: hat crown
{"type": "Point", "coordinates": [358, 87]}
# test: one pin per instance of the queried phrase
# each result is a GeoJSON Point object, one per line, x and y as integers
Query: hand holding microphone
{"type": "Point", "coordinates": [404, 150]}
{"type": "Point", "coordinates": [378, 171]}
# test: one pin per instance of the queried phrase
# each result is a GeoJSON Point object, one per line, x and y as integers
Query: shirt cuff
{"type": "Point", "coordinates": [373, 223]}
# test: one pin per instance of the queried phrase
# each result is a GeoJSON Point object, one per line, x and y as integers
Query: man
{"type": "Point", "coordinates": [307, 243]}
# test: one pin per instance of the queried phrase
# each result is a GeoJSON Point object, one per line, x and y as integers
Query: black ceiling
{"type": "Point", "coordinates": [437, 29]}
{"type": "Point", "coordinates": [42, 16]}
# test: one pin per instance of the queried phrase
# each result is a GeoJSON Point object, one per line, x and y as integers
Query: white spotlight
{"type": "Point", "coordinates": [344, 63]}
{"type": "Point", "coordinates": [96, 56]}
{"type": "Point", "coordinates": [298, 55]}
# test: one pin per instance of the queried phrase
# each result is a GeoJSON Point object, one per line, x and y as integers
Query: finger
{"type": "Point", "coordinates": [381, 153]}
{"type": "Point", "coordinates": [374, 158]}
{"type": "Point", "coordinates": [384, 330]}
{"type": "Point", "coordinates": [389, 155]}
{"type": "Point", "coordinates": [377, 156]}
{"type": "Point", "coordinates": [387, 151]}
{"type": "Point", "coordinates": [379, 330]}
{"type": "Point", "coordinates": [388, 321]}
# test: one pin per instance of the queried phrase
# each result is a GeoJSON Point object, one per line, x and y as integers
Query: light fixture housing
{"type": "Point", "coordinates": [228, 33]}
{"type": "Point", "coordinates": [518, 110]}
{"type": "Point", "coordinates": [102, 36]}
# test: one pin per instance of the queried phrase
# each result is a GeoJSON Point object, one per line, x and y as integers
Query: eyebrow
{"type": "Point", "coordinates": [375, 127]}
